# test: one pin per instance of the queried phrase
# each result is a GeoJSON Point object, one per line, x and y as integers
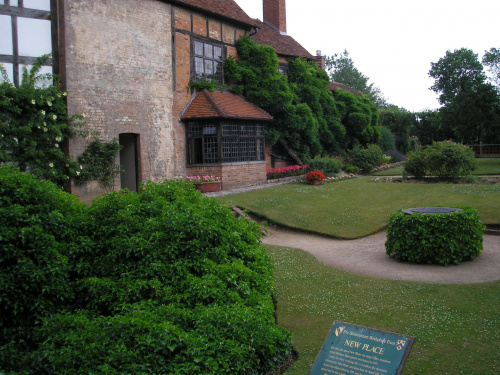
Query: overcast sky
{"type": "Point", "coordinates": [392, 42]}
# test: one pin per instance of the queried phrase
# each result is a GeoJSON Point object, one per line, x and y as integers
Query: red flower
{"type": "Point", "coordinates": [315, 176]}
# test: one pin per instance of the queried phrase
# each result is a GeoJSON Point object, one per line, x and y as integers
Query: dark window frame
{"type": "Point", "coordinates": [221, 142]}
{"type": "Point", "coordinates": [204, 58]}
{"type": "Point", "coordinates": [283, 68]}
{"type": "Point", "coordinates": [20, 11]}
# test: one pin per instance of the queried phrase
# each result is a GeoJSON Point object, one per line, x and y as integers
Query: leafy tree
{"type": "Point", "coordinates": [386, 140]}
{"type": "Point", "coordinates": [359, 116]}
{"type": "Point", "coordinates": [400, 122]}
{"type": "Point", "coordinates": [341, 68]}
{"type": "Point", "coordinates": [309, 83]}
{"type": "Point", "coordinates": [429, 127]}
{"type": "Point", "coordinates": [491, 59]}
{"type": "Point", "coordinates": [471, 106]}
{"type": "Point", "coordinates": [456, 72]}
{"type": "Point", "coordinates": [255, 75]}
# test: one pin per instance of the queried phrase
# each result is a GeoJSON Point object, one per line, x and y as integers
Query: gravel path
{"type": "Point", "coordinates": [367, 256]}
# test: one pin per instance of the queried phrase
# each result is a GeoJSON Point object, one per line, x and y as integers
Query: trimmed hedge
{"type": "Point", "coordinates": [435, 238]}
{"type": "Point", "coordinates": [442, 159]}
{"type": "Point", "coordinates": [166, 281]}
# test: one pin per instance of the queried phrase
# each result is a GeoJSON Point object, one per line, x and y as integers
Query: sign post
{"type": "Point", "coordinates": [351, 349]}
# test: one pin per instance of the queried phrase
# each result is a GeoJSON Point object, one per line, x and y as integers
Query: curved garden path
{"type": "Point", "coordinates": [367, 256]}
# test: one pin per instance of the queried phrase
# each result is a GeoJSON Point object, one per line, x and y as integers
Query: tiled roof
{"type": "Point", "coordinates": [208, 105]}
{"type": "Point", "coordinates": [222, 8]}
{"type": "Point", "coordinates": [284, 45]}
{"type": "Point", "coordinates": [334, 86]}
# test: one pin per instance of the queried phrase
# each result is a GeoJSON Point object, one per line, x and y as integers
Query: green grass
{"type": "Point", "coordinates": [485, 166]}
{"type": "Point", "coordinates": [358, 207]}
{"type": "Point", "coordinates": [396, 171]}
{"type": "Point", "coordinates": [457, 327]}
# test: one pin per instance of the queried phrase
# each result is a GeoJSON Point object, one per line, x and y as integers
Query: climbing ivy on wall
{"type": "Point", "coordinates": [306, 114]}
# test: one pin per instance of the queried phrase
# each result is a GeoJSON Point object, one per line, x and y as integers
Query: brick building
{"type": "Point", "coordinates": [127, 65]}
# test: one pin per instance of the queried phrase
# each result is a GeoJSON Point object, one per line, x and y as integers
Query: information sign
{"type": "Point", "coordinates": [352, 349]}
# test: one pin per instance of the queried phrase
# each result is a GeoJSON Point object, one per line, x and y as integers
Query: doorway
{"type": "Point", "coordinates": [129, 160]}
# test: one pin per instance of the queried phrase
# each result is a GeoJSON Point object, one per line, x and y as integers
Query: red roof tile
{"type": "Point", "coordinates": [334, 86]}
{"type": "Point", "coordinates": [225, 105]}
{"type": "Point", "coordinates": [284, 45]}
{"type": "Point", "coordinates": [222, 8]}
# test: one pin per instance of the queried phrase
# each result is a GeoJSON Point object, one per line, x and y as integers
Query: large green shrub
{"type": "Point", "coordinates": [37, 227]}
{"type": "Point", "coordinates": [366, 158]}
{"type": "Point", "coordinates": [386, 140]}
{"type": "Point", "coordinates": [442, 159]}
{"type": "Point", "coordinates": [165, 281]}
{"type": "Point", "coordinates": [326, 165]}
{"type": "Point", "coordinates": [435, 238]}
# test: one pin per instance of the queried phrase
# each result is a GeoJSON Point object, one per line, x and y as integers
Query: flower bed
{"type": "Point", "coordinates": [292, 170]}
{"type": "Point", "coordinates": [201, 179]}
{"type": "Point", "coordinates": [387, 166]}
{"type": "Point", "coordinates": [340, 178]}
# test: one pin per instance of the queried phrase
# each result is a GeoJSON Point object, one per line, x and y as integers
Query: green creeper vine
{"type": "Point", "coordinates": [98, 162]}
{"type": "Point", "coordinates": [35, 128]}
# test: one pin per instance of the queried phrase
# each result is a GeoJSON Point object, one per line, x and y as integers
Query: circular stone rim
{"type": "Point", "coordinates": [431, 210]}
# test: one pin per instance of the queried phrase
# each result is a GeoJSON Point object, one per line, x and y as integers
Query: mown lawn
{"type": "Point", "coordinates": [457, 327]}
{"type": "Point", "coordinates": [485, 166]}
{"type": "Point", "coordinates": [361, 206]}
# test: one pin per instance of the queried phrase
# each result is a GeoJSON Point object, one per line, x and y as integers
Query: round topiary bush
{"type": "Point", "coordinates": [435, 238]}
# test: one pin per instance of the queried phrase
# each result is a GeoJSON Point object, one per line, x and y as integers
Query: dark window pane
{"type": "Point", "coordinates": [210, 150]}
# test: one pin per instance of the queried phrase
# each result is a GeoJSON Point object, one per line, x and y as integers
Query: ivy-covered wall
{"type": "Point", "coordinates": [311, 118]}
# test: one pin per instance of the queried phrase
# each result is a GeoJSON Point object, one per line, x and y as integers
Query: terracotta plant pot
{"type": "Point", "coordinates": [209, 187]}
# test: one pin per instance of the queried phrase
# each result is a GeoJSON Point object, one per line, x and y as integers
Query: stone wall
{"type": "Point", "coordinates": [118, 72]}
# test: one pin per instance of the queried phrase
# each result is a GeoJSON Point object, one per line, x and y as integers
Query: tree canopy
{"type": "Point", "coordinates": [491, 59]}
{"type": "Point", "coordinates": [341, 69]}
{"type": "Point", "coordinates": [471, 105]}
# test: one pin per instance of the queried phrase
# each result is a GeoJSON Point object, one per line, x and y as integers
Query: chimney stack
{"type": "Point", "coordinates": [320, 60]}
{"type": "Point", "coordinates": [275, 14]}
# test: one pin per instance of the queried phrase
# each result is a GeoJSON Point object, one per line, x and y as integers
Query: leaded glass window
{"type": "Point", "coordinates": [207, 62]}
{"type": "Point", "coordinates": [230, 141]}
{"type": "Point", "coordinates": [26, 34]}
